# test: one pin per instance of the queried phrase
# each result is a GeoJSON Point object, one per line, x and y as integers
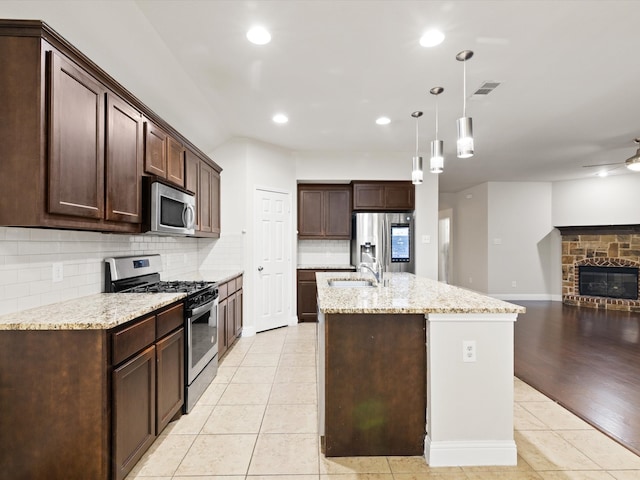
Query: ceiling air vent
{"type": "Point", "coordinates": [486, 88]}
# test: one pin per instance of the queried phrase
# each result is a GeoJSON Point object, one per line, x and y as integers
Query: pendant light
{"type": "Point", "coordinates": [416, 171]}
{"type": "Point", "coordinates": [465, 127]}
{"type": "Point", "coordinates": [437, 146]}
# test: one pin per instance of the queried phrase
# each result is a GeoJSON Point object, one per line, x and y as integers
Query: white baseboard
{"type": "Point", "coordinates": [470, 453]}
{"type": "Point", "coordinates": [248, 331]}
{"type": "Point", "coordinates": [293, 321]}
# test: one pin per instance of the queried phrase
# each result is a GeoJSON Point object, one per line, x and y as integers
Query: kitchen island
{"type": "Point", "coordinates": [415, 367]}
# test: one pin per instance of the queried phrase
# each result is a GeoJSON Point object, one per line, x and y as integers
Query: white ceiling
{"type": "Point", "coordinates": [569, 73]}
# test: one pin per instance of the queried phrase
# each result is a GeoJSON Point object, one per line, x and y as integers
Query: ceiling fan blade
{"type": "Point", "coordinates": [602, 165]}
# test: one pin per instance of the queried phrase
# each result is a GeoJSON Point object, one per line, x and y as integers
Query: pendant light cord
{"type": "Point", "coordinates": [464, 88]}
{"type": "Point", "coordinates": [417, 137]}
{"type": "Point", "coordinates": [436, 117]}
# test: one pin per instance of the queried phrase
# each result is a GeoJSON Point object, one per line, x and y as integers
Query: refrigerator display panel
{"type": "Point", "coordinates": [400, 243]}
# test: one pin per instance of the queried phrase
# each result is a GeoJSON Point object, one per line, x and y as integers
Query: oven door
{"type": "Point", "coordinates": [202, 338]}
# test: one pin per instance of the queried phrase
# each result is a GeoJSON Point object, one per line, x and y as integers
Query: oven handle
{"type": "Point", "coordinates": [203, 308]}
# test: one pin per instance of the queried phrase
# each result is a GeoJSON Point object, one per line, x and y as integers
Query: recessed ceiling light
{"type": "Point", "coordinates": [383, 121]}
{"type": "Point", "coordinates": [280, 118]}
{"type": "Point", "coordinates": [258, 36]}
{"type": "Point", "coordinates": [432, 38]}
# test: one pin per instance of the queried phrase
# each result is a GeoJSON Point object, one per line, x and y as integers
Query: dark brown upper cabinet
{"type": "Point", "coordinates": [73, 139]}
{"type": "Point", "coordinates": [164, 155]}
{"type": "Point", "coordinates": [383, 196]}
{"type": "Point", "coordinates": [324, 211]}
{"type": "Point", "coordinates": [204, 180]}
{"type": "Point", "coordinates": [76, 149]}
{"type": "Point", "coordinates": [124, 161]}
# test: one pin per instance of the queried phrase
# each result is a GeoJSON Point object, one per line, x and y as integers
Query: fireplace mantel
{"type": "Point", "coordinates": [599, 229]}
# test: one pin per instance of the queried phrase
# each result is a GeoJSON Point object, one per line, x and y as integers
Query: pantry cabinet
{"type": "Point", "coordinates": [324, 211]}
{"type": "Point", "coordinates": [75, 143]}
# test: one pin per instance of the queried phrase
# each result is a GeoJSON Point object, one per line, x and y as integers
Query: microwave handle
{"type": "Point", "coordinates": [188, 216]}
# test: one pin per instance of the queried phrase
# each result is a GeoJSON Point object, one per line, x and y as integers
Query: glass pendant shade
{"type": "Point", "coordinates": [465, 137]}
{"type": "Point", "coordinates": [437, 157]}
{"type": "Point", "coordinates": [416, 172]}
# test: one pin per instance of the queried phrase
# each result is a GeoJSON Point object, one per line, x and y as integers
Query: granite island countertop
{"type": "Point", "coordinates": [405, 293]}
{"type": "Point", "coordinates": [101, 311]}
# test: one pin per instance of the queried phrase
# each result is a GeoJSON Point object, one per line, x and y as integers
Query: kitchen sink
{"type": "Point", "coordinates": [356, 282]}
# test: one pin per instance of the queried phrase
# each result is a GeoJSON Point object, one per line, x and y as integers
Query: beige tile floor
{"type": "Point", "coordinates": [258, 421]}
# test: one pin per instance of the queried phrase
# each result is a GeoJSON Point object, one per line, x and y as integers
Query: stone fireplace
{"type": "Point", "coordinates": [600, 266]}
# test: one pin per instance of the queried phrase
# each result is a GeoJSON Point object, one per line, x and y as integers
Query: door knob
{"type": "Point", "coordinates": [260, 269]}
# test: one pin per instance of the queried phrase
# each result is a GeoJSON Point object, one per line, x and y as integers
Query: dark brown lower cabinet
{"type": "Point", "coordinates": [307, 292]}
{"type": "Point", "coordinates": [170, 377]}
{"type": "Point", "coordinates": [375, 384]}
{"type": "Point", "coordinates": [229, 313]}
{"type": "Point", "coordinates": [88, 403]}
{"type": "Point", "coordinates": [134, 410]}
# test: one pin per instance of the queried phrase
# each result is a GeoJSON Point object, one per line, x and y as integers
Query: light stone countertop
{"type": "Point", "coordinates": [406, 293]}
{"type": "Point", "coordinates": [326, 267]}
{"type": "Point", "coordinates": [93, 312]}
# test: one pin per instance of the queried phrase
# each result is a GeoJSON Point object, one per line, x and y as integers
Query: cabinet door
{"type": "Point", "coordinates": [124, 161]}
{"type": "Point", "coordinates": [399, 196]}
{"type": "Point", "coordinates": [223, 313]}
{"type": "Point", "coordinates": [76, 141]}
{"type": "Point", "coordinates": [310, 213]}
{"type": "Point", "coordinates": [175, 162]}
{"type": "Point", "coordinates": [231, 319]}
{"type": "Point", "coordinates": [237, 321]}
{"type": "Point", "coordinates": [338, 213]}
{"type": "Point", "coordinates": [205, 197]}
{"type": "Point", "coordinates": [133, 410]}
{"type": "Point", "coordinates": [215, 203]}
{"type": "Point", "coordinates": [192, 180]}
{"type": "Point", "coordinates": [170, 377]}
{"type": "Point", "coordinates": [307, 302]}
{"type": "Point", "coordinates": [367, 196]}
{"type": "Point", "coordinates": [155, 150]}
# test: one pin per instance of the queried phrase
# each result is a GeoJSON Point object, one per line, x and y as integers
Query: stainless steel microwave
{"type": "Point", "coordinates": [170, 211]}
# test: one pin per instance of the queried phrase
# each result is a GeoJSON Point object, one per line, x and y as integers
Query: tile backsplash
{"type": "Point", "coordinates": [324, 252]}
{"type": "Point", "coordinates": [28, 257]}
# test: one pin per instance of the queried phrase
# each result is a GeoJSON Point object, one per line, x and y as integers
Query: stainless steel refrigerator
{"type": "Point", "coordinates": [388, 238]}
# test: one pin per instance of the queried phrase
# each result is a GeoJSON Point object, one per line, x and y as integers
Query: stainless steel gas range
{"type": "Point", "coordinates": [141, 274]}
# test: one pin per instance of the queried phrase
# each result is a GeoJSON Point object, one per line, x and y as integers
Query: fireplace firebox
{"type": "Point", "coordinates": [610, 282]}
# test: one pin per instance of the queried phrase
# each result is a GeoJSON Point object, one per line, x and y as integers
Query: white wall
{"type": "Point", "coordinates": [470, 230]}
{"type": "Point", "coordinates": [247, 165]}
{"type": "Point", "coordinates": [612, 200]}
{"type": "Point", "coordinates": [520, 240]}
{"type": "Point", "coordinates": [346, 166]}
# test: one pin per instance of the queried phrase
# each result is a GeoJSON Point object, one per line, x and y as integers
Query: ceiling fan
{"type": "Point", "coordinates": [632, 163]}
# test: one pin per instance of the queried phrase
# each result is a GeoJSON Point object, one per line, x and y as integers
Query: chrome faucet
{"type": "Point", "coordinates": [377, 275]}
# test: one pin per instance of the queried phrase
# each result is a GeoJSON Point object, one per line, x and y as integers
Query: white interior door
{"type": "Point", "coordinates": [272, 254]}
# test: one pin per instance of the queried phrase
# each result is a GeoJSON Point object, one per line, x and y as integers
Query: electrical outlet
{"type": "Point", "coordinates": [470, 280]}
{"type": "Point", "coordinates": [468, 350]}
{"type": "Point", "coordinates": [57, 272]}
{"type": "Point", "coordinates": [426, 238]}
{"type": "Point", "coordinates": [514, 284]}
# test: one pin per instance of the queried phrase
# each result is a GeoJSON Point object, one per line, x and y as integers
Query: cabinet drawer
{"type": "Point", "coordinates": [223, 290]}
{"type": "Point", "coordinates": [307, 275]}
{"type": "Point", "coordinates": [133, 339]}
{"type": "Point", "coordinates": [239, 283]}
{"type": "Point", "coordinates": [169, 320]}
